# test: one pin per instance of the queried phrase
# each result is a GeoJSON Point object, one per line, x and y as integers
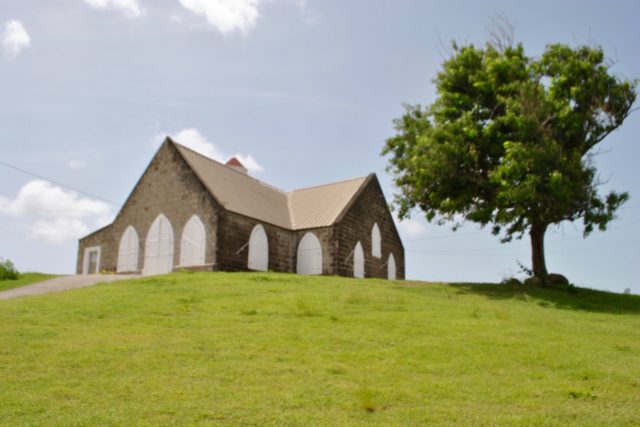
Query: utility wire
{"type": "Point", "coordinates": [10, 232]}
{"type": "Point", "coordinates": [455, 234]}
{"type": "Point", "coordinates": [629, 207]}
{"type": "Point", "coordinates": [446, 236]}
{"type": "Point", "coordinates": [478, 252]}
{"type": "Point", "coordinates": [521, 246]}
{"type": "Point", "coordinates": [86, 193]}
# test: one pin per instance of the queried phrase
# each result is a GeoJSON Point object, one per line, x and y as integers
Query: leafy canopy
{"type": "Point", "coordinates": [510, 139]}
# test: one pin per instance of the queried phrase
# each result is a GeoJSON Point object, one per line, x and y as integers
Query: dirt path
{"type": "Point", "coordinates": [62, 283]}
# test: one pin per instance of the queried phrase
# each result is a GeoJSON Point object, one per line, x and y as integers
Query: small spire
{"type": "Point", "coordinates": [234, 163]}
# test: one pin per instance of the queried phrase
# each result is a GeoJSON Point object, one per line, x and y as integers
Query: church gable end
{"type": "Point", "coordinates": [367, 210]}
{"type": "Point", "coordinates": [169, 187]}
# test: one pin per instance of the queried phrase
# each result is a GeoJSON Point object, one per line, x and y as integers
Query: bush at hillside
{"type": "Point", "coordinates": [8, 270]}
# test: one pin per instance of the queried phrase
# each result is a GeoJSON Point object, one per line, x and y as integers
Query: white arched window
{"type": "Point", "coordinates": [128, 251]}
{"type": "Point", "coordinates": [358, 261]}
{"type": "Point", "coordinates": [309, 255]}
{"type": "Point", "coordinates": [391, 268]}
{"type": "Point", "coordinates": [158, 248]}
{"type": "Point", "coordinates": [258, 250]}
{"type": "Point", "coordinates": [376, 250]}
{"type": "Point", "coordinates": [192, 245]}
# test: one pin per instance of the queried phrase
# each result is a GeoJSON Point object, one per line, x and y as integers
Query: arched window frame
{"type": "Point", "coordinates": [391, 267]}
{"type": "Point", "coordinates": [376, 241]}
{"type": "Point", "coordinates": [151, 261]}
{"type": "Point", "coordinates": [316, 258]}
{"type": "Point", "coordinates": [128, 251]}
{"type": "Point", "coordinates": [193, 247]}
{"type": "Point", "coordinates": [358, 261]}
{"type": "Point", "coordinates": [258, 254]}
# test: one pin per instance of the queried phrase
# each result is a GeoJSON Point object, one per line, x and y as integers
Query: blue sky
{"type": "Point", "coordinates": [304, 91]}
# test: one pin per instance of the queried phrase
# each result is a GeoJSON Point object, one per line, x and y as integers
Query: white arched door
{"type": "Point", "coordinates": [193, 243]}
{"type": "Point", "coordinates": [376, 241]}
{"type": "Point", "coordinates": [128, 251]}
{"type": "Point", "coordinates": [158, 250]}
{"type": "Point", "coordinates": [391, 268]}
{"type": "Point", "coordinates": [358, 261]}
{"type": "Point", "coordinates": [309, 255]}
{"type": "Point", "coordinates": [258, 249]}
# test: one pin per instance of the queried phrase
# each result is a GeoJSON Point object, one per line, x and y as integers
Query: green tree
{"type": "Point", "coordinates": [8, 270]}
{"type": "Point", "coordinates": [509, 142]}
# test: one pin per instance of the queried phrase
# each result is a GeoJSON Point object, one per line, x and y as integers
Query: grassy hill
{"type": "Point", "coordinates": [24, 279]}
{"type": "Point", "coordinates": [267, 349]}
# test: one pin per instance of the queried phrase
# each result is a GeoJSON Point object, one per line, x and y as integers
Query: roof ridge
{"type": "Point", "coordinates": [330, 183]}
{"type": "Point", "coordinates": [227, 167]}
{"type": "Point", "coordinates": [290, 211]}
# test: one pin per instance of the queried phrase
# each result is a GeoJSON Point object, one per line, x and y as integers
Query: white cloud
{"type": "Point", "coordinates": [76, 165]}
{"type": "Point", "coordinates": [53, 214]}
{"type": "Point", "coordinates": [311, 17]}
{"type": "Point", "coordinates": [14, 39]}
{"type": "Point", "coordinates": [226, 16]}
{"type": "Point", "coordinates": [131, 8]}
{"type": "Point", "coordinates": [58, 230]}
{"type": "Point", "coordinates": [411, 227]}
{"type": "Point", "coordinates": [193, 139]}
{"type": "Point", "coordinates": [249, 162]}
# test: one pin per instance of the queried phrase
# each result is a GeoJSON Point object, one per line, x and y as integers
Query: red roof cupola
{"type": "Point", "coordinates": [234, 163]}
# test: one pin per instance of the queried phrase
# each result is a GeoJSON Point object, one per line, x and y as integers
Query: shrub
{"type": "Point", "coordinates": [8, 270]}
{"type": "Point", "coordinates": [511, 281]}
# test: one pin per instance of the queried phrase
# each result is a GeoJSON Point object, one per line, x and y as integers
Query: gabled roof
{"type": "Point", "coordinates": [323, 205]}
{"type": "Point", "coordinates": [237, 192]}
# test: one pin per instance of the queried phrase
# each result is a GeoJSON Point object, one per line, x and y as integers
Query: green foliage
{"type": "Point", "coordinates": [372, 353]}
{"type": "Point", "coordinates": [8, 270]}
{"type": "Point", "coordinates": [510, 140]}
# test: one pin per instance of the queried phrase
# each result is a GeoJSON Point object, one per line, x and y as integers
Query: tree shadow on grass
{"type": "Point", "coordinates": [582, 299]}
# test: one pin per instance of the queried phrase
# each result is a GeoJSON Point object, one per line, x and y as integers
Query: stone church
{"type": "Point", "coordinates": [188, 211]}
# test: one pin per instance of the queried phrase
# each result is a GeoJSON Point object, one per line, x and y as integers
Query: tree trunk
{"type": "Point", "coordinates": [537, 250]}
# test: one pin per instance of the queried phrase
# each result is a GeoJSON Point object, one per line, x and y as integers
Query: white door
{"type": "Point", "coordinates": [358, 261]}
{"type": "Point", "coordinates": [309, 255]}
{"type": "Point", "coordinates": [128, 251]}
{"type": "Point", "coordinates": [391, 268]}
{"type": "Point", "coordinates": [258, 249]}
{"type": "Point", "coordinates": [158, 252]}
{"type": "Point", "coordinates": [91, 261]}
{"type": "Point", "coordinates": [192, 245]}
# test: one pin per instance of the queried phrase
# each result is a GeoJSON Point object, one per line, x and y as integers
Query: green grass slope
{"type": "Point", "coordinates": [24, 279]}
{"type": "Point", "coordinates": [274, 349]}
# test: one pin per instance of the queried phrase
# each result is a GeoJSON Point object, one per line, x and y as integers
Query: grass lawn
{"type": "Point", "coordinates": [24, 279]}
{"type": "Point", "coordinates": [276, 349]}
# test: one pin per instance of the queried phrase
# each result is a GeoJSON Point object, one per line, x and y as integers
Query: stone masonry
{"type": "Point", "coordinates": [171, 187]}
{"type": "Point", "coordinates": [369, 207]}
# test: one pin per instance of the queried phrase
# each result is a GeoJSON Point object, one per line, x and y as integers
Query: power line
{"type": "Point", "coordinates": [479, 251]}
{"type": "Point", "coordinates": [612, 245]}
{"type": "Point", "coordinates": [498, 249]}
{"type": "Point", "coordinates": [455, 234]}
{"type": "Point", "coordinates": [10, 232]}
{"type": "Point", "coordinates": [86, 193]}
{"type": "Point", "coordinates": [629, 207]}
{"type": "Point", "coordinates": [446, 236]}
{"type": "Point", "coordinates": [463, 254]}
